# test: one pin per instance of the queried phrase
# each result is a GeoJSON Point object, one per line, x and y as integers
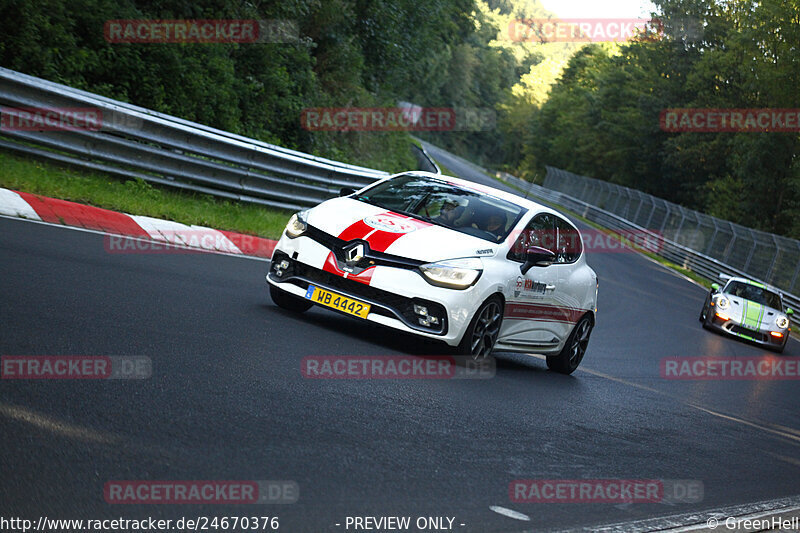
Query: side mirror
{"type": "Point", "coordinates": [346, 191]}
{"type": "Point", "coordinates": [714, 287]}
{"type": "Point", "coordinates": [536, 256]}
{"type": "Point", "coordinates": [789, 311]}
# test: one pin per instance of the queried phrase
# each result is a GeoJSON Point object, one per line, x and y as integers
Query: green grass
{"type": "Point", "coordinates": [138, 197]}
{"type": "Point", "coordinates": [669, 264]}
{"type": "Point", "coordinates": [444, 170]}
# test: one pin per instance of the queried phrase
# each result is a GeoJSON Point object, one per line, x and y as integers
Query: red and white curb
{"type": "Point", "coordinates": [41, 208]}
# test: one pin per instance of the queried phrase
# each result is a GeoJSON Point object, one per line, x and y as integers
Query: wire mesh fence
{"type": "Point", "coordinates": [763, 256]}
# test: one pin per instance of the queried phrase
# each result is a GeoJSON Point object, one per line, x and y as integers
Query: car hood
{"type": "Point", "coordinates": [751, 314]}
{"type": "Point", "coordinates": [394, 233]}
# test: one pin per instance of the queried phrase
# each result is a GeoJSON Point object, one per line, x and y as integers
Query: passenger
{"type": "Point", "coordinates": [449, 213]}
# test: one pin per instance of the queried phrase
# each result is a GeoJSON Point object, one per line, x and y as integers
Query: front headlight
{"type": "Point", "coordinates": [297, 225]}
{"type": "Point", "coordinates": [782, 321]}
{"type": "Point", "coordinates": [454, 273]}
{"type": "Point", "coordinates": [723, 303]}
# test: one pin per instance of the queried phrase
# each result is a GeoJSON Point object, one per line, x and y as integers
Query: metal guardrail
{"type": "Point", "coordinates": [659, 241]}
{"type": "Point", "coordinates": [140, 143]}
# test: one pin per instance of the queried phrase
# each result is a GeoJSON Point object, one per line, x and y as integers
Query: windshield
{"type": "Point", "coordinates": [754, 293]}
{"type": "Point", "coordinates": [447, 205]}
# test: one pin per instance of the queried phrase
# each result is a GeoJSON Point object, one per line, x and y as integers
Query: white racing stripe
{"type": "Point", "coordinates": [181, 234]}
{"type": "Point", "coordinates": [12, 204]}
{"type": "Point", "coordinates": [510, 513]}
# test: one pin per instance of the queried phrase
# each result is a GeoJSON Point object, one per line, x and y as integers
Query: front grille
{"type": "Point", "coordinates": [384, 302]}
{"type": "Point", "coordinates": [757, 335]}
{"type": "Point", "coordinates": [371, 257]}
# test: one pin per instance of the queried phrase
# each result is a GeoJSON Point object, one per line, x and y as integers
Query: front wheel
{"type": "Point", "coordinates": [288, 301]}
{"type": "Point", "coordinates": [481, 335]}
{"type": "Point", "coordinates": [705, 318]}
{"type": "Point", "coordinates": [574, 349]}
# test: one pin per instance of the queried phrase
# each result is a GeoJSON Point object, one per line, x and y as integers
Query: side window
{"type": "Point", "coordinates": [568, 245]}
{"type": "Point", "coordinates": [540, 231]}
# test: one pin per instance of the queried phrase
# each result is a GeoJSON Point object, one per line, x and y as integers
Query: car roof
{"type": "Point", "coordinates": [484, 189]}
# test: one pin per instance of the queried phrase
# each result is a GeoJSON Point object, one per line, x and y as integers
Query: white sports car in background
{"type": "Point", "coordinates": [748, 310]}
{"type": "Point", "coordinates": [444, 258]}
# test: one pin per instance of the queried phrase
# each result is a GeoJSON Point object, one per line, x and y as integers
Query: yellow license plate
{"type": "Point", "coordinates": [337, 301]}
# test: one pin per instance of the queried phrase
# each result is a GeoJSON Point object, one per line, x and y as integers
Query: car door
{"type": "Point", "coordinates": [569, 295]}
{"type": "Point", "coordinates": [531, 314]}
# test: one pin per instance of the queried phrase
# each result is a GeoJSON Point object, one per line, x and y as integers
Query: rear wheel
{"type": "Point", "coordinates": [288, 301]}
{"type": "Point", "coordinates": [481, 335]}
{"type": "Point", "coordinates": [574, 349]}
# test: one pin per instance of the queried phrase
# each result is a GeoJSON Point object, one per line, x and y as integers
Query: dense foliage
{"type": "Point", "coordinates": [601, 118]}
{"type": "Point", "coordinates": [590, 109]}
{"type": "Point", "coordinates": [350, 53]}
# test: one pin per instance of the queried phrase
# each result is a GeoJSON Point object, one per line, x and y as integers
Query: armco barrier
{"type": "Point", "coordinates": [141, 143]}
{"type": "Point", "coordinates": [680, 254]}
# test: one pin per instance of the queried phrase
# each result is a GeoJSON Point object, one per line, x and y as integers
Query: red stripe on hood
{"type": "Point", "coordinates": [378, 239]}
{"type": "Point", "coordinates": [356, 230]}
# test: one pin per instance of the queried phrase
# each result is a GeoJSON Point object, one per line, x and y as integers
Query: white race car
{"type": "Point", "coordinates": [444, 258]}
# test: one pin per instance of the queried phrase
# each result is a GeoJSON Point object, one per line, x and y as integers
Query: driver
{"type": "Point", "coordinates": [496, 222]}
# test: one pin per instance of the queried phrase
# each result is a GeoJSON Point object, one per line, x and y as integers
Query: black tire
{"type": "Point", "coordinates": [288, 301]}
{"type": "Point", "coordinates": [574, 349]}
{"type": "Point", "coordinates": [481, 334]}
{"type": "Point", "coordinates": [704, 316]}
{"type": "Point", "coordinates": [779, 349]}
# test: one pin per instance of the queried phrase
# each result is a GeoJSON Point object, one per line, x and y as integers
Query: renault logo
{"type": "Point", "coordinates": [354, 254]}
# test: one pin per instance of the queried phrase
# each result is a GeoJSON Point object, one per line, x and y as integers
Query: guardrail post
{"type": "Point", "coordinates": [638, 209]}
{"type": "Point", "coordinates": [768, 277]}
{"type": "Point", "coordinates": [667, 216]}
{"type": "Point", "coordinates": [713, 236]}
{"type": "Point", "coordinates": [752, 251]}
{"type": "Point", "coordinates": [796, 271]}
{"type": "Point", "coordinates": [652, 212]}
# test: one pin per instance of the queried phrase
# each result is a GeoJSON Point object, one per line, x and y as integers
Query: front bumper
{"type": "Point", "coordinates": [385, 305]}
{"type": "Point", "coordinates": [761, 336]}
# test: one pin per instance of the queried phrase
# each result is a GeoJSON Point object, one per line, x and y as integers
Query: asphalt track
{"type": "Point", "coordinates": [227, 400]}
